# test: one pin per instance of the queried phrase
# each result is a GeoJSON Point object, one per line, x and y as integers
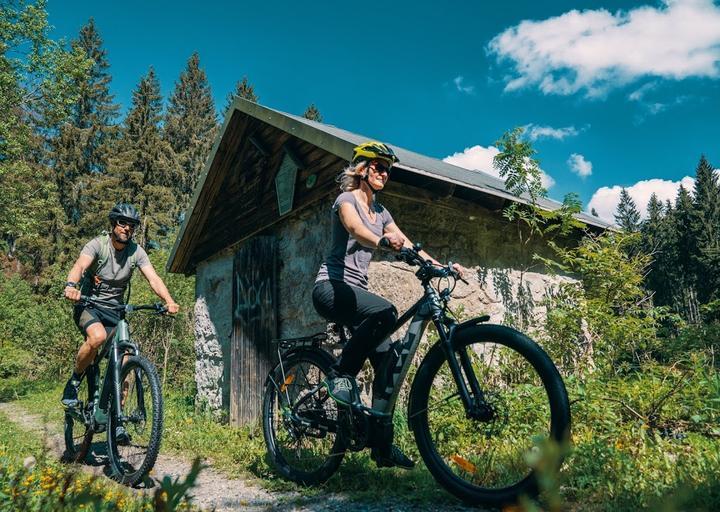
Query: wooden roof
{"type": "Point", "coordinates": [235, 197]}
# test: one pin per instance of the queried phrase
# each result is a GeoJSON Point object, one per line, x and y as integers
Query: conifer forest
{"type": "Point", "coordinates": [636, 337]}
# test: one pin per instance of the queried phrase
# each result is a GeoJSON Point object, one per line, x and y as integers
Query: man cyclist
{"type": "Point", "coordinates": [359, 226]}
{"type": "Point", "coordinates": [103, 270]}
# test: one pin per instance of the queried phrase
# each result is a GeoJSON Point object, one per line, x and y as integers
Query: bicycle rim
{"type": "Point", "coordinates": [300, 445]}
{"type": "Point", "coordinates": [78, 437]}
{"type": "Point", "coordinates": [133, 454]}
{"type": "Point", "coordinates": [490, 460]}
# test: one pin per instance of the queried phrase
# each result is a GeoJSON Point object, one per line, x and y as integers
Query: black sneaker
{"type": "Point", "coordinates": [70, 393]}
{"type": "Point", "coordinates": [396, 458]}
{"type": "Point", "coordinates": [342, 389]}
{"type": "Point", "coordinates": [122, 438]}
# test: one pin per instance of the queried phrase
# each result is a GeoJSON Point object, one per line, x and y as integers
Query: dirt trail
{"type": "Point", "coordinates": [215, 491]}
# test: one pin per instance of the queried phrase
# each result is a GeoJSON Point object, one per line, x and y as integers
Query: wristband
{"type": "Point", "coordinates": [383, 242]}
{"type": "Point", "coordinates": [70, 284]}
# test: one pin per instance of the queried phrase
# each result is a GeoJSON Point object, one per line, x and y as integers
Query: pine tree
{"type": "Point", "coordinates": [79, 148]}
{"type": "Point", "coordinates": [686, 292]}
{"type": "Point", "coordinates": [38, 80]}
{"type": "Point", "coordinates": [143, 168]}
{"type": "Point", "coordinates": [626, 214]}
{"type": "Point", "coordinates": [657, 241]}
{"type": "Point", "coordinates": [243, 89]}
{"type": "Point", "coordinates": [190, 128]}
{"type": "Point", "coordinates": [313, 113]}
{"type": "Point", "coordinates": [706, 231]}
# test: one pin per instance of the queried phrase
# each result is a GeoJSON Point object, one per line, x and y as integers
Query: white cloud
{"type": "Point", "coordinates": [606, 199]}
{"type": "Point", "coordinates": [595, 50]}
{"type": "Point", "coordinates": [535, 132]}
{"type": "Point", "coordinates": [639, 93]}
{"type": "Point", "coordinates": [479, 158]}
{"type": "Point", "coordinates": [459, 82]}
{"type": "Point", "coordinates": [579, 165]}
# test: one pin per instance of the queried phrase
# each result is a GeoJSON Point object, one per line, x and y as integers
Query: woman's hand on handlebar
{"type": "Point", "coordinates": [391, 240]}
{"type": "Point", "coordinates": [460, 271]}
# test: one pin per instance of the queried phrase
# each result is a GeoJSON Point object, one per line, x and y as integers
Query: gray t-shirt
{"type": "Point", "coordinates": [348, 260]}
{"type": "Point", "coordinates": [116, 273]}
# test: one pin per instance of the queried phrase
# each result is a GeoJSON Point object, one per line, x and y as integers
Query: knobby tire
{"type": "Point", "coordinates": [132, 462]}
{"type": "Point", "coordinates": [301, 454]}
{"type": "Point", "coordinates": [486, 462]}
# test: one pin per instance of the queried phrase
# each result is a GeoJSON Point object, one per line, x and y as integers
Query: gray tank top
{"type": "Point", "coordinates": [348, 261]}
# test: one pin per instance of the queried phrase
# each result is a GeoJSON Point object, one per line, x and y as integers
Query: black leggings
{"type": "Point", "coordinates": [371, 317]}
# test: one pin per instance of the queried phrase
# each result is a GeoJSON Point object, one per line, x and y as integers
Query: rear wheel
{"type": "Point", "coordinates": [484, 457]}
{"type": "Point", "coordinates": [134, 435]}
{"type": "Point", "coordinates": [78, 437]}
{"type": "Point", "coordinates": [300, 419]}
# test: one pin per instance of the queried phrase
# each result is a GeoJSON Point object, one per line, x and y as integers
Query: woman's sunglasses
{"type": "Point", "coordinates": [380, 168]}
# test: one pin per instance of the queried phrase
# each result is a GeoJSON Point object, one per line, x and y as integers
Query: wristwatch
{"type": "Point", "coordinates": [70, 284]}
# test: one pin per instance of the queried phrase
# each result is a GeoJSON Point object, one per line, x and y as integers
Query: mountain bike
{"type": "Point", "coordinates": [128, 405]}
{"type": "Point", "coordinates": [482, 400]}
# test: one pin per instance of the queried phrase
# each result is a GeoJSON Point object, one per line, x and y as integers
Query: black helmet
{"type": "Point", "coordinates": [126, 212]}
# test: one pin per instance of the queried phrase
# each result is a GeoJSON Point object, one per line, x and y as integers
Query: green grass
{"type": "Point", "coordinates": [618, 461]}
{"type": "Point", "coordinates": [240, 452]}
{"type": "Point", "coordinates": [33, 480]}
{"type": "Point", "coordinates": [15, 443]}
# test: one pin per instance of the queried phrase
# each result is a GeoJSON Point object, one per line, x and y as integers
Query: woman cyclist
{"type": "Point", "coordinates": [359, 226]}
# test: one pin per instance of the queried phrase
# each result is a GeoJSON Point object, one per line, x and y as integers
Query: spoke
{"type": "Point", "coordinates": [435, 403]}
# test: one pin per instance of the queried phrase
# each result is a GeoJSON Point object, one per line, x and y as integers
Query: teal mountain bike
{"type": "Point", "coordinates": [128, 405]}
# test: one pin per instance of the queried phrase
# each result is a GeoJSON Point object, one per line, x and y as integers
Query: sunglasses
{"type": "Point", "coordinates": [380, 168]}
{"type": "Point", "coordinates": [125, 224]}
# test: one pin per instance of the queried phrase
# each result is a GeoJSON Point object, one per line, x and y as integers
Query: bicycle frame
{"type": "Point", "coordinates": [118, 345]}
{"type": "Point", "coordinates": [428, 308]}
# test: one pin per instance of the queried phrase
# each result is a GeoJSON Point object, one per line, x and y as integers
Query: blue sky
{"type": "Point", "coordinates": [614, 93]}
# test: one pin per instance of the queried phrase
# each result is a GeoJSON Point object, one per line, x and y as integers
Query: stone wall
{"type": "Point", "coordinates": [456, 230]}
{"type": "Point", "coordinates": [213, 329]}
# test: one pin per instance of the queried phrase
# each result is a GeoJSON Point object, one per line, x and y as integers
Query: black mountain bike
{"type": "Point", "coordinates": [483, 398]}
{"type": "Point", "coordinates": [128, 405]}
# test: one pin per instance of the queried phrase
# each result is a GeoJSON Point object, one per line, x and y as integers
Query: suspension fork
{"type": "Point", "coordinates": [117, 385]}
{"type": "Point", "coordinates": [462, 371]}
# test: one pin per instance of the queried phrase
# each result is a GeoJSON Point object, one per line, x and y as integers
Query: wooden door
{"type": "Point", "coordinates": [254, 326]}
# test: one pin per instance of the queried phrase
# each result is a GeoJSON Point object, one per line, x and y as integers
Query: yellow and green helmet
{"type": "Point", "coordinates": [374, 150]}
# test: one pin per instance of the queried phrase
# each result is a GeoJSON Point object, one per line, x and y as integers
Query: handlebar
{"type": "Point", "coordinates": [427, 269]}
{"type": "Point", "coordinates": [128, 308]}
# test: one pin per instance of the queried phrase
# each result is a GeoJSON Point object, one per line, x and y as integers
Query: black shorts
{"type": "Point", "coordinates": [85, 316]}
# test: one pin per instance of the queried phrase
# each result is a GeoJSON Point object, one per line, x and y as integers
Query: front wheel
{"type": "Point", "coordinates": [484, 457]}
{"type": "Point", "coordinates": [134, 434]}
{"type": "Point", "coordinates": [300, 420]}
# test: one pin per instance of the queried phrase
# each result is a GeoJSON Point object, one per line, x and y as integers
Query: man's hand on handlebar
{"type": "Point", "coordinates": [172, 308]}
{"type": "Point", "coordinates": [72, 293]}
